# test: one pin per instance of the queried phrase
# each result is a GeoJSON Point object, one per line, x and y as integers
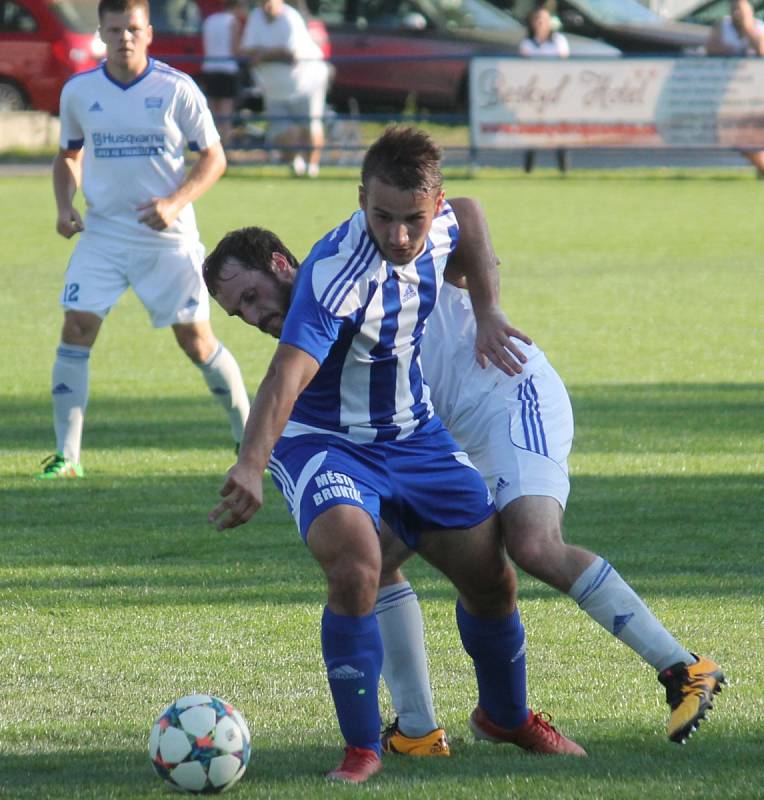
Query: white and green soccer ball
{"type": "Point", "coordinates": [200, 744]}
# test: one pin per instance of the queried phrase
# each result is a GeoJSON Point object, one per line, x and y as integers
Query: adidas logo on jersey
{"type": "Point", "coordinates": [61, 388]}
{"type": "Point", "coordinates": [345, 673]}
{"type": "Point", "coordinates": [96, 107]}
{"type": "Point", "coordinates": [191, 303]}
{"type": "Point", "coordinates": [408, 294]}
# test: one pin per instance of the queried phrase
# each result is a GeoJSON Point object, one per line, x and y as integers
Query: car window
{"type": "Point", "coordinates": [330, 12]}
{"type": "Point", "coordinates": [80, 16]}
{"type": "Point", "coordinates": [15, 18]}
{"type": "Point", "coordinates": [711, 12]}
{"type": "Point", "coordinates": [388, 14]}
{"type": "Point", "coordinates": [182, 17]}
{"type": "Point", "coordinates": [613, 12]}
{"type": "Point", "coordinates": [472, 14]}
{"type": "Point", "coordinates": [415, 14]}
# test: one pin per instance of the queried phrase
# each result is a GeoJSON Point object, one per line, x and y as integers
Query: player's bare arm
{"type": "Point", "coordinates": [290, 371]}
{"type": "Point", "coordinates": [160, 212]}
{"type": "Point", "coordinates": [67, 175]}
{"type": "Point", "coordinates": [475, 260]}
{"type": "Point", "coordinates": [261, 55]}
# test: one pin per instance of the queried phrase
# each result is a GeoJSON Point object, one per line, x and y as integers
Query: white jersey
{"type": "Point", "coordinates": [281, 81]}
{"type": "Point", "coordinates": [556, 46]}
{"type": "Point", "coordinates": [517, 430]}
{"type": "Point", "coordinates": [218, 32]}
{"type": "Point", "coordinates": [448, 356]}
{"type": "Point", "coordinates": [134, 137]}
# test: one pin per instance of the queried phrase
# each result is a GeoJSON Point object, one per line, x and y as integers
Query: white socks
{"type": "Point", "coordinates": [610, 601]}
{"type": "Point", "coordinates": [70, 398]}
{"type": "Point", "coordinates": [405, 664]}
{"type": "Point", "coordinates": [224, 380]}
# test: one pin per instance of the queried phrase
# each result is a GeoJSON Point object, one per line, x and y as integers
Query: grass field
{"type": "Point", "coordinates": [646, 291]}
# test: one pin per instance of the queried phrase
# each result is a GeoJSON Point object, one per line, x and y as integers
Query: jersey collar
{"type": "Point", "coordinates": [137, 79]}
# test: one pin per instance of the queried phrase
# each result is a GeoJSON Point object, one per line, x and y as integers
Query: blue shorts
{"type": "Point", "coordinates": [421, 483]}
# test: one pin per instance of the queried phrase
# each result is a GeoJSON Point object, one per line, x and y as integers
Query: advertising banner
{"type": "Point", "coordinates": [631, 103]}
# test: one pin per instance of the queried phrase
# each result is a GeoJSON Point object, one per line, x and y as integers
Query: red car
{"type": "Point", "coordinates": [42, 43]}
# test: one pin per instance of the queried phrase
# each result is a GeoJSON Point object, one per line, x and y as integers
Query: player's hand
{"type": "Point", "coordinates": [494, 343]}
{"type": "Point", "coordinates": [243, 493]}
{"type": "Point", "coordinates": [69, 223]}
{"type": "Point", "coordinates": [158, 213]}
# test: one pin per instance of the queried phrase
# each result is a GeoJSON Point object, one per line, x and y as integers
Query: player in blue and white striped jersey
{"type": "Point", "coordinates": [344, 419]}
{"type": "Point", "coordinates": [124, 127]}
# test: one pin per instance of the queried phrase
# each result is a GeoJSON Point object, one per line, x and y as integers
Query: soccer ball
{"type": "Point", "coordinates": [200, 744]}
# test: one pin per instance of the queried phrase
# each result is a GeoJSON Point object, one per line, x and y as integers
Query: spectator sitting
{"type": "Point", "coordinates": [221, 35]}
{"type": "Point", "coordinates": [543, 41]}
{"type": "Point", "coordinates": [290, 69]}
{"type": "Point", "coordinates": [739, 34]}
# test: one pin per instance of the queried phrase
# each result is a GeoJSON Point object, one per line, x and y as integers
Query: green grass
{"type": "Point", "coordinates": [645, 289]}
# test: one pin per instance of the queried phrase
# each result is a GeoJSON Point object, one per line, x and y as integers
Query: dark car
{"type": "Point", "coordinates": [386, 52]}
{"type": "Point", "coordinates": [711, 11]}
{"type": "Point", "coordinates": [626, 24]}
{"type": "Point", "coordinates": [43, 43]}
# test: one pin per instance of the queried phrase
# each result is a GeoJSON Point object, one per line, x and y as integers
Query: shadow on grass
{"type": "Point", "coordinates": [146, 542]}
{"type": "Point", "coordinates": [679, 418]}
{"type": "Point", "coordinates": [614, 765]}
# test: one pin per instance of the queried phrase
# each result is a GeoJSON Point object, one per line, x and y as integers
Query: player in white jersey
{"type": "Point", "coordinates": [518, 432]}
{"type": "Point", "coordinates": [343, 418]}
{"type": "Point", "coordinates": [124, 126]}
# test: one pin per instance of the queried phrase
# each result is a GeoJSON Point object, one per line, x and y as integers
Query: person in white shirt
{"type": "Point", "coordinates": [543, 41]}
{"type": "Point", "coordinates": [124, 127]}
{"type": "Point", "coordinates": [740, 34]}
{"type": "Point", "coordinates": [221, 36]}
{"type": "Point", "coordinates": [290, 68]}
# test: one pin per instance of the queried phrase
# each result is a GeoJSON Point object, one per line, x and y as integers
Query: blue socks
{"type": "Point", "coordinates": [497, 648]}
{"type": "Point", "coordinates": [353, 655]}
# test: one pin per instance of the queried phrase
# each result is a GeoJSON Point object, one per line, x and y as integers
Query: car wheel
{"type": "Point", "coordinates": [11, 97]}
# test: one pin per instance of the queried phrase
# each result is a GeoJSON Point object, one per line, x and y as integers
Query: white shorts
{"type": "Point", "coordinates": [305, 110]}
{"type": "Point", "coordinates": [168, 280]}
{"type": "Point", "coordinates": [518, 432]}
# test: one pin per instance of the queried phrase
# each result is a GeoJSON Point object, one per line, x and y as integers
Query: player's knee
{"type": "Point", "coordinates": [353, 586]}
{"type": "Point", "coordinates": [495, 594]}
{"type": "Point", "coordinates": [80, 328]}
{"type": "Point", "coordinates": [537, 551]}
{"type": "Point", "coordinates": [199, 344]}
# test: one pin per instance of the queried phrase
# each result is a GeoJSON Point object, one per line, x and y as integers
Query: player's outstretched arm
{"type": "Point", "coordinates": [160, 212]}
{"type": "Point", "coordinates": [475, 259]}
{"type": "Point", "coordinates": [290, 371]}
{"type": "Point", "coordinates": [67, 174]}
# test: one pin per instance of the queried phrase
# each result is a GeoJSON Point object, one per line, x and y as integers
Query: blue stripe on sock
{"type": "Point", "coordinates": [70, 352]}
{"type": "Point", "coordinates": [604, 571]}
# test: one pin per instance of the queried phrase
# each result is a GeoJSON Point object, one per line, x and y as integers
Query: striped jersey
{"type": "Point", "coordinates": [362, 319]}
{"type": "Point", "coordinates": [134, 137]}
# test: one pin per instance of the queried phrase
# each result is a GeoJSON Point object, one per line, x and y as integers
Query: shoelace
{"type": "Point", "coordinates": [391, 729]}
{"type": "Point", "coordinates": [50, 463]}
{"type": "Point", "coordinates": [544, 721]}
{"type": "Point", "coordinates": [355, 757]}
